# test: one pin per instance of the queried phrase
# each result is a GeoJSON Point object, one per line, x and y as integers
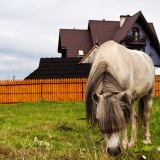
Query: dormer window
{"type": "Point", "coordinates": [80, 53]}
{"type": "Point", "coordinates": [135, 34]}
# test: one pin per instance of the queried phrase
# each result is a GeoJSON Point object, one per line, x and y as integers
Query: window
{"type": "Point", "coordinates": [80, 53]}
{"type": "Point", "coordinates": [135, 34]}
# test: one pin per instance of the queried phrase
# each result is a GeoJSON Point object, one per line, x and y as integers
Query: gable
{"type": "Point", "coordinates": [146, 47]}
{"type": "Point", "coordinates": [129, 24]}
{"type": "Point", "coordinates": [90, 56]}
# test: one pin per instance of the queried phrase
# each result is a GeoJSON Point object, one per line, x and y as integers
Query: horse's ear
{"type": "Point", "coordinates": [96, 97]}
{"type": "Point", "coordinates": [124, 96]}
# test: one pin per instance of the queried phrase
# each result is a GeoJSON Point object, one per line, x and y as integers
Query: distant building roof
{"type": "Point", "coordinates": [60, 68]}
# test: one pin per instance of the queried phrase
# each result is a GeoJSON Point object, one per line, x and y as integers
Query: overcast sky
{"type": "Point", "coordinates": [29, 29]}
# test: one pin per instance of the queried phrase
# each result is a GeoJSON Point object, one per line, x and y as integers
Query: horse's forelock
{"type": "Point", "coordinates": [115, 117]}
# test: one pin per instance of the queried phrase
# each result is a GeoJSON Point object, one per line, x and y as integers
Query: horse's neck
{"type": "Point", "coordinates": [110, 84]}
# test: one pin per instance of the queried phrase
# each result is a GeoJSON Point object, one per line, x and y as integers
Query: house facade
{"type": "Point", "coordinates": [133, 32]}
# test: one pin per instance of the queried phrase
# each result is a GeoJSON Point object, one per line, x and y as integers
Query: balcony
{"type": "Point", "coordinates": [135, 40]}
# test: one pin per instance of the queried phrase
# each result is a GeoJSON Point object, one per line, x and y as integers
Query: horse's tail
{"type": "Point", "coordinates": [141, 107]}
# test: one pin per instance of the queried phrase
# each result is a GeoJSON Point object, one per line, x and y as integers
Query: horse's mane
{"type": "Point", "coordinates": [115, 116]}
{"type": "Point", "coordinates": [94, 84]}
{"type": "Point", "coordinates": [101, 80]}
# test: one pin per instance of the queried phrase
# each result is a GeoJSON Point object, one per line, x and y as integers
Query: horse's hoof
{"type": "Point", "coordinates": [131, 144]}
{"type": "Point", "coordinates": [147, 141]}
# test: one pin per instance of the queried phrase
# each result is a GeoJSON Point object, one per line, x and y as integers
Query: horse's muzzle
{"type": "Point", "coordinates": [114, 151]}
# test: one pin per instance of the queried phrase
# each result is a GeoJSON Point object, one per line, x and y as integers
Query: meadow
{"type": "Point", "coordinates": [47, 130]}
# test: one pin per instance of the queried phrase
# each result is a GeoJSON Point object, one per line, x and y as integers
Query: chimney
{"type": "Point", "coordinates": [123, 18]}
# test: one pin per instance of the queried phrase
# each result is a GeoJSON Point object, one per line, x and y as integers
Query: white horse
{"type": "Point", "coordinates": [119, 77]}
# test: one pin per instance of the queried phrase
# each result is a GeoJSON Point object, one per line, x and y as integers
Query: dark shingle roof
{"type": "Point", "coordinates": [60, 68]}
{"type": "Point", "coordinates": [74, 40]}
{"type": "Point", "coordinates": [102, 31]}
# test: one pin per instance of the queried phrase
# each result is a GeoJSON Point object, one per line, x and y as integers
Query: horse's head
{"type": "Point", "coordinates": [113, 114]}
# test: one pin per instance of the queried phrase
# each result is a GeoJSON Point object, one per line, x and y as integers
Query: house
{"type": "Point", "coordinates": [133, 32]}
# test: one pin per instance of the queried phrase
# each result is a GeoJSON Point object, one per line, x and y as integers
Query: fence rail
{"type": "Point", "coordinates": [48, 89]}
{"type": "Point", "coordinates": [15, 91]}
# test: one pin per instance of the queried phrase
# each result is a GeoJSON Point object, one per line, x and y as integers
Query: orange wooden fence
{"type": "Point", "coordinates": [13, 91]}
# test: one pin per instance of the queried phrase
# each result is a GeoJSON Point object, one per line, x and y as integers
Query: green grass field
{"type": "Point", "coordinates": [57, 130]}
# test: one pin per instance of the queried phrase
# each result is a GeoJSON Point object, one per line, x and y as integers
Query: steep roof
{"type": "Point", "coordinates": [60, 68]}
{"type": "Point", "coordinates": [74, 40]}
{"type": "Point", "coordinates": [102, 31]}
{"type": "Point", "coordinates": [129, 23]}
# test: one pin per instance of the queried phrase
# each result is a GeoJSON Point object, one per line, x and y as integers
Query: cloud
{"type": "Point", "coordinates": [18, 65]}
{"type": "Point", "coordinates": [29, 29]}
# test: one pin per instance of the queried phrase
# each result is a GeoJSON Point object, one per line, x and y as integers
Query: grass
{"type": "Point", "coordinates": [57, 130]}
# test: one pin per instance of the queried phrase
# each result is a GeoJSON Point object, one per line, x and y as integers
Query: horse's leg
{"type": "Point", "coordinates": [147, 114]}
{"type": "Point", "coordinates": [134, 129]}
{"type": "Point", "coordinates": [125, 139]}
